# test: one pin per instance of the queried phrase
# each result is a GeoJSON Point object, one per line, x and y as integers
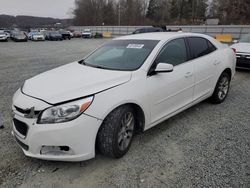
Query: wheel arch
{"type": "Point", "coordinates": [139, 115]}
{"type": "Point", "coordinates": [229, 72]}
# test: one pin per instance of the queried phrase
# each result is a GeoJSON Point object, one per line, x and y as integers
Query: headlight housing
{"type": "Point", "coordinates": [65, 112]}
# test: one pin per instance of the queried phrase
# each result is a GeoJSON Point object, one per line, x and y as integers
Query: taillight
{"type": "Point", "coordinates": [234, 50]}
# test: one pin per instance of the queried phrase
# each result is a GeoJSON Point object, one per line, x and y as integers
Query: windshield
{"type": "Point", "coordinates": [37, 33]}
{"type": "Point", "coordinates": [54, 32]}
{"type": "Point", "coordinates": [125, 55]}
{"type": "Point", "coordinates": [245, 38]}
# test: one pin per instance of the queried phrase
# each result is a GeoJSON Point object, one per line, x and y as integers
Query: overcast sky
{"type": "Point", "coordinates": [44, 8]}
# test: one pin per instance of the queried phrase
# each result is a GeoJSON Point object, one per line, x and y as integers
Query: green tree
{"type": "Point", "coordinates": [152, 12]}
{"type": "Point", "coordinates": [174, 9]}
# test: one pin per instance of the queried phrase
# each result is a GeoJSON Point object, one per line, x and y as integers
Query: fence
{"type": "Point", "coordinates": [235, 30]}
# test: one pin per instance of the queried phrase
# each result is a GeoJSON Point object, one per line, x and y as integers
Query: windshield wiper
{"type": "Point", "coordinates": [97, 66]}
{"type": "Point", "coordinates": [82, 62]}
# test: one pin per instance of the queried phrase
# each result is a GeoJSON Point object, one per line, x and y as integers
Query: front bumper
{"type": "Point", "coordinates": [3, 38]}
{"type": "Point", "coordinates": [69, 141]}
{"type": "Point", "coordinates": [38, 38]}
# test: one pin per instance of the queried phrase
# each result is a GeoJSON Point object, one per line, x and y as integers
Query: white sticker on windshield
{"type": "Point", "coordinates": [135, 46]}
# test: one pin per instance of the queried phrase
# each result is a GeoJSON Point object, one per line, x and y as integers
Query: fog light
{"type": "Point", "coordinates": [56, 150]}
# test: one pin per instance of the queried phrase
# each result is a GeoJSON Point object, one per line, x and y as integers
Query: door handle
{"type": "Point", "coordinates": [216, 62]}
{"type": "Point", "coordinates": [188, 74]}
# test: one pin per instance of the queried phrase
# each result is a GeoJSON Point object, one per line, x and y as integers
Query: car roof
{"type": "Point", "coordinates": [159, 36]}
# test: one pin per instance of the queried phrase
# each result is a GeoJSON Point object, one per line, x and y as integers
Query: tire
{"type": "Point", "coordinates": [221, 89]}
{"type": "Point", "coordinates": [116, 133]}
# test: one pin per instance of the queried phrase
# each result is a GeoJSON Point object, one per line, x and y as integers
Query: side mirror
{"type": "Point", "coordinates": [235, 41]}
{"type": "Point", "coordinates": [164, 67]}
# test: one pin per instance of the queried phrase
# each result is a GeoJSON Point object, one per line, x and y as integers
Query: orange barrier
{"type": "Point", "coordinates": [224, 38]}
{"type": "Point", "coordinates": [107, 34]}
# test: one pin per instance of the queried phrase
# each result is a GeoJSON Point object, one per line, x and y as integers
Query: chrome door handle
{"type": "Point", "coordinates": [188, 74]}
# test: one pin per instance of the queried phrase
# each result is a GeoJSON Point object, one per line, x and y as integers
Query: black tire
{"type": "Point", "coordinates": [219, 95]}
{"type": "Point", "coordinates": [113, 129]}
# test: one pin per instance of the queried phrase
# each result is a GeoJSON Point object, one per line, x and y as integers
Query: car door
{"type": "Point", "coordinates": [204, 66]}
{"type": "Point", "coordinates": [171, 91]}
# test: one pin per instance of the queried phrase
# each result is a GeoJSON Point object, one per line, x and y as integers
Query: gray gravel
{"type": "Point", "coordinates": [205, 146]}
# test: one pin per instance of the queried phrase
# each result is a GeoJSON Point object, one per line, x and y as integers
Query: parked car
{"type": "Point", "coordinates": [3, 36]}
{"type": "Point", "coordinates": [87, 33]}
{"type": "Point", "coordinates": [19, 36]}
{"type": "Point", "coordinates": [77, 34]}
{"type": "Point", "coordinates": [30, 34]}
{"type": "Point", "coordinates": [65, 34]}
{"type": "Point", "coordinates": [7, 32]}
{"type": "Point", "coordinates": [97, 35]}
{"type": "Point", "coordinates": [36, 36]}
{"type": "Point", "coordinates": [71, 34]}
{"type": "Point", "coordinates": [148, 30]}
{"type": "Point", "coordinates": [53, 35]}
{"type": "Point", "coordinates": [242, 48]}
{"type": "Point", "coordinates": [129, 84]}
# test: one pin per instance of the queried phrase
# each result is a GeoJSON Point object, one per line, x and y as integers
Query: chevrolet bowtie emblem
{"type": "Point", "coordinates": [31, 114]}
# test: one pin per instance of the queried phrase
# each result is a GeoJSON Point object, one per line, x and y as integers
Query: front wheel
{"type": "Point", "coordinates": [221, 89]}
{"type": "Point", "coordinates": [115, 135]}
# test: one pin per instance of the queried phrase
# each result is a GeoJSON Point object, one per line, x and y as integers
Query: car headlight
{"type": "Point", "coordinates": [65, 112]}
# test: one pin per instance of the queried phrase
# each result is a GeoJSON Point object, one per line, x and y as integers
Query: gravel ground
{"type": "Point", "coordinates": [205, 146]}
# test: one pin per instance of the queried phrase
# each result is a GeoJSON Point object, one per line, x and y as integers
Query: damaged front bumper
{"type": "Point", "coordinates": [68, 141]}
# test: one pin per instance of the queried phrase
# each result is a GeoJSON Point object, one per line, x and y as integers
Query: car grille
{"type": "Point", "coordinates": [25, 111]}
{"type": "Point", "coordinates": [21, 127]}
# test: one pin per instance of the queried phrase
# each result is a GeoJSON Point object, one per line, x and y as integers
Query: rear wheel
{"type": "Point", "coordinates": [221, 89]}
{"type": "Point", "coordinates": [115, 135]}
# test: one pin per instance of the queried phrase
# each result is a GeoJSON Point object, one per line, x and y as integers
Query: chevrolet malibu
{"type": "Point", "coordinates": [128, 85]}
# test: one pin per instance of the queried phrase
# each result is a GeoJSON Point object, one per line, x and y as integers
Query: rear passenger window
{"type": "Point", "coordinates": [211, 47]}
{"type": "Point", "coordinates": [200, 47]}
{"type": "Point", "coordinates": [173, 53]}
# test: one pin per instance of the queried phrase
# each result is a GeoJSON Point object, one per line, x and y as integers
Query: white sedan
{"type": "Point", "coordinates": [4, 36]}
{"type": "Point", "coordinates": [36, 36]}
{"type": "Point", "coordinates": [242, 48]}
{"type": "Point", "coordinates": [128, 85]}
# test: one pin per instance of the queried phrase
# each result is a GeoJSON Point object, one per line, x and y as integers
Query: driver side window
{"type": "Point", "coordinates": [174, 52]}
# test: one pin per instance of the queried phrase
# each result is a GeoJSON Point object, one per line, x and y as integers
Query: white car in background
{"type": "Point", "coordinates": [86, 33]}
{"type": "Point", "coordinates": [242, 48]}
{"type": "Point", "coordinates": [4, 36]}
{"type": "Point", "coordinates": [37, 36]}
{"type": "Point", "coordinates": [129, 84]}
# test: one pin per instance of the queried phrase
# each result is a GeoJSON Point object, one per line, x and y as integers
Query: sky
{"type": "Point", "coordinates": [43, 8]}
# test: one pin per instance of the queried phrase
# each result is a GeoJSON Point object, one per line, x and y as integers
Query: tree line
{"type": "Point", "coordinates": [231, 11]}
{"type": "Point", "coordinates": [159, 12]}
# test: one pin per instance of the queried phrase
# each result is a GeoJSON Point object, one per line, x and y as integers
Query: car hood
{"type": "Point", "coordinates": [72, 81]}
{"type": "Point", "coordinates": [242, 47]}
{"type": "Point", "coordinates": [2, 35]}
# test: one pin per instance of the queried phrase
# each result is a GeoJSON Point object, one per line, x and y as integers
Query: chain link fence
{"type": "Point", "coordinates": [235, 30]}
